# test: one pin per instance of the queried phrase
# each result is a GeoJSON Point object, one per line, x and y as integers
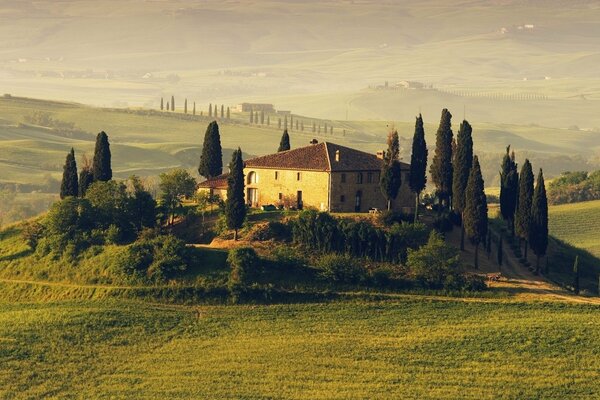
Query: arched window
{"type": "Point", "coordinates": [252, 177]}
{"type": "Point", "coordinates": [359, 177]}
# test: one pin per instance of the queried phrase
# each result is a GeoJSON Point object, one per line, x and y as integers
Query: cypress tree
{"type": "Point", "coordinates": [391, 174]}
{"type": "Point", "coordinates": [262, 117]}
{"type": "Point", "coordinates": [210, 110]}
{"type": "Point", "coordinates": [86, 176]}
{"type": "Point", "coordinates": [222, 111]}
{"type": "Point", "coordinates": [162, 104]}
{"type": "Point", "coordinates": [297, 125]}
{"type": "Point", "coordinates": [284, 144]}
{"type": "Point", "coordinates": [509, 189]}
{"type": "Point", "coordinates": [538, 232]}
{"type": "Point", "coordinates": [194, 109]}
{"type": "Point", "coordinates": [441, 167]}
{"type": "Point", "coordinates": [251, 116]}
{"type": "Point", "coordinates": [418, 163]}
{"type": "Point", "coordinates": [523, 215]}
{"type": "Point", "coordinates": [302, 126]}
{"type": "Point", "coordinates": [331, 130]}
{"type": "Point", "coordinates": [185, 106]}
{"type": "Point", "coordinates": [235, 205]}
{"type": "Point", "coordinates": [256, 117]}
{"type": "Point", "coordinates": [172, 103]}
{"type": "Point", "coordinates": [475, 218]}
{"type": "Point", "coordinates": [279, 123]}
{"type": "Point", "coordinates": [228, 114]}
{"type": "Point", "coordinates": [168, 106]}
{"type": "Point", "coordinates": [463, 161]}
{"type": "Point", "coordinates": [268, 120]}
{"type": "Point", "coordinates": [101, 167]}
{"type": "Point", "coordinates": [211, 160]}
{"type": "Point", "coordinates": [576, 275]}
{"type": "Point", "coordinates": [69, 185]}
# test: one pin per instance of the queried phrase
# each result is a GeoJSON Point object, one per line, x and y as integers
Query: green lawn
{"type": "Point", "coordinates": [340, 350]}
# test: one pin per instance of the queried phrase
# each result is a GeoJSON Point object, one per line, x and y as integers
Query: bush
{"type": "Point", "coordinates": [383, 275]}
{"type": "Point", "coordinates": [435, 265]}
{"type": "Point", "coordinates": [244, 263]}
{"type": "Point", "coordinates": [288, 257]}
{"type": "Point", "coordinates": [32, 233]}
{"type": "Point", "coordinates": [272, 230]}
{"type": "Point", "coordinates": [341, 268]}
{"type": "Point", "coordinates": [389, 218]}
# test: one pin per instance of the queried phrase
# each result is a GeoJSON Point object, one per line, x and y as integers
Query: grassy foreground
{"type": "Point", "coordinates": [351, 349]}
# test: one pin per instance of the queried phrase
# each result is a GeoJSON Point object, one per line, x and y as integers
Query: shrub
{"type": "Point", "coordinates": [436, 264]}
{"type": "Point", "coordinates": [32, 233]}
{"type": "Point", "coordinates": [389, 218]}
{"type": "Point", "coordinates": [244, 263]}
{"type": "Point", "coordinates": [341, 268]}
{"type": "Point", "coordinates": [388, 275]}
{"type": "Point", "coordinates": [288, 257]}
{"type": "Point", "coordinates": [272, 230]}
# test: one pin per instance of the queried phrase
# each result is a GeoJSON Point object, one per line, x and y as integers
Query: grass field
{"type": "Point", "coordinates": [577, 224]}
{"type": "Point", "coordinates": [340, 350]}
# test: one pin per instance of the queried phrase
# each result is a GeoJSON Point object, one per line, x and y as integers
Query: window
{"type": "Point", "coordinates": [252, 177]}
{"type": "Point", "coordinates": [343, 178]}
{"type": "Point", "coordinates": [369, 177]}
{"type": "Point", "coordinates": [359, 178]}
{"type": "Point", "coordinates": [276, 175]}
{"type": "Point", "coordinates": [298, 176]}
{"type": "Point", "coordinates": [342, 198]}
{"type": "Point", "coordinates": [280, 196]}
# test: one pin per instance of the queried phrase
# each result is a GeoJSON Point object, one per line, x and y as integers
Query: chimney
{"type": "Point", "coordinates": [337, 155]}
{"type": "Point", "coordinates": [381, 154]}
{"type": "Point", "coordinates": [314, 141]}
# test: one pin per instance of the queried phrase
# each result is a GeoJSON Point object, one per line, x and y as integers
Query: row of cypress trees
{"type": "Point", "coordinates": [99, 170]}
{"type": "Point", "coordinates": [524, 206]}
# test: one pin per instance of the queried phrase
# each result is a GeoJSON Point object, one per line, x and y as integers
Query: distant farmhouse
{"type": "Point", "coordinates": [325, 176]}
{"type": "Point", "coordinates": [247, 107]}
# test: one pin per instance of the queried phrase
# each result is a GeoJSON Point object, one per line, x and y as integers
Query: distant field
{"type": "Point", "coordinates": [577, 224]}
{"type": "Point", "coordinates": [375, 350]}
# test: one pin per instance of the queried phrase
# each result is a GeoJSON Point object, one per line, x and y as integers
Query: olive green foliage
{"type": "Point", "coordinates": [101, 167]}
{"type": "Point", "coordinates": [476, 211]}
{"type": "Point", "coordinates": [284, 144]}
{"type": "Point", "coordinates": [436, 265]}
{"type": "Point", "coordinates": [441, 166]}
{"type": "Point", "coordinates": [418, 158]}
{"type": "Point", "coordinates": [235, 206]}
{"type": "Point", "coordinates": [245, 268]}
{"type": "Point", "coordinates": [573, 187]}
{"type": "Point", "coordinates": [342, 268]}
{"type": "Point", "coordinates": [153, 260]}
{"type": "Point", "coordinates": [509, 188]}
{"type": "Point", "coordinates": [69, 185]}
{"type": "Point", "coordinates": [175, 186]}
{"type": "Point", "coordinates": [211, 160]}
{"type": "Point", "coordinates": [323, 233]}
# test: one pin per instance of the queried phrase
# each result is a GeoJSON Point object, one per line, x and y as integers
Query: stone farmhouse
{"type": "Point", "coordinates": [325, 176]}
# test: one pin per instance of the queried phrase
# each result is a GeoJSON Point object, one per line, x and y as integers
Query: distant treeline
{"type": "Point", "coordinates": [573, 187]}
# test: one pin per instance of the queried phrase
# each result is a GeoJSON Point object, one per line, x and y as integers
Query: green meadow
{"type": "Point", "coordinates": [577, 224]}
{"type": "Point", "coordinates": [404, 348]}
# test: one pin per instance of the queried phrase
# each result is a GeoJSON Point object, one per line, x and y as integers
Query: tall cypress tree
{"type": "Point", "coordinates": [475, 215]}
{"type": "Point", "coordinates": [210, 110]}
{"type": "Point", "coordinates": [101, 167]}
{"type": "Point", "coordinates": [284, 144]}
{"type": "Point", "coordinates": [538, 232]}
{"type": "Point", "coordinates": [222, 111]}
{"type": "Point", "coordinates": [228, 114]}
{"type": "Point", "coordinates": [251, 116]}
{"type": "Point", "coordinates": [162, 104]}
{"type": "Point", "coordinates": [509, 189]}
{"type": "Point", "coordinates": [262, 116]}
{"type": "Point", "coordinates": [463, 161]}
{"type": "Point", "coordinates": [418, 163]}
{"type": "Point", "coordinates": [194, 109]}
{"type": "Point", "coordinates": [172, 103]}
{"type": "Point", "coordinates": [69, 185]}
{"type": "Point", "coordinates": [235, 205]}
{"type": "Point", "coordinates": [441, 167]}
{"type": "Point", "coordinates": [391, 174]}
{"type": "Point", "coordinates": [185, 106]}
{"type": "Point", "coordinates": [211, 160]}
{"type": "Point", "coordinates": [86, 176]}
{"type": "Point", "coordinates": [523, 215]}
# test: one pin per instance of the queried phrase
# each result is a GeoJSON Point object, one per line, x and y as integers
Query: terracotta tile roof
{"type": "Point", "coordinates": [320, 157]}
{"type": "Point", "coordinates": [218, 182]}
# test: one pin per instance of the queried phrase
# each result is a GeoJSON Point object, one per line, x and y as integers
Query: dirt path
{"type": "Point", "coordinates": [515, 278]}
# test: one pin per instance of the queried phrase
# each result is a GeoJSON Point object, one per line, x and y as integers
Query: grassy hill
{"type": "Point", "coordinates": [577, 224]}
{"type": "Point", "coordinates": [405, 348]}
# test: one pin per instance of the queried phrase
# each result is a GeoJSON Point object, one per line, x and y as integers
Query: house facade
{"type": "Point", "coordinates": [325, 176]}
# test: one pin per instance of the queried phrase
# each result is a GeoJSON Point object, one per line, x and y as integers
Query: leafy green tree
{"type": "Point", "coordinates": [418, 163]}
{"type": "Point", "coordinates": [174, 186]}
{"type": "Point", "coordinates": [211, 160]}
{"type": "Point", "coordinates": [475, 215]}
{"type": "Point", "coordinates": [86, 176]}
{"type": "Point", "coordinates": [391, 174]}
{"type": "Point", "coordinates": [441, 167]}
{"type": "Point", "coordinates": [434, 262]}
{"type": "Point", "coordinates": [69, 185]}
{"type": "Point", "coordinates": [284, 144]}
{"type": "Point", "coordinates": [509, 189]}
{"type": "Point", "coordinates": [66, 219]}
{"type": "Point", "coordinates": [142, 207]}
{"type": "Point", "coordinates": [538, 232]}
{"type": "Point", "coordinates": [235, 206]}
{"type": "Point", "coordinates": [101, 167]}
{"type": "Point", "coordinates": [110, 203]}
{"type": "Point", "coordinates": [463, 161]}
{"type": "Point", "coordinates": [523, 215]}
